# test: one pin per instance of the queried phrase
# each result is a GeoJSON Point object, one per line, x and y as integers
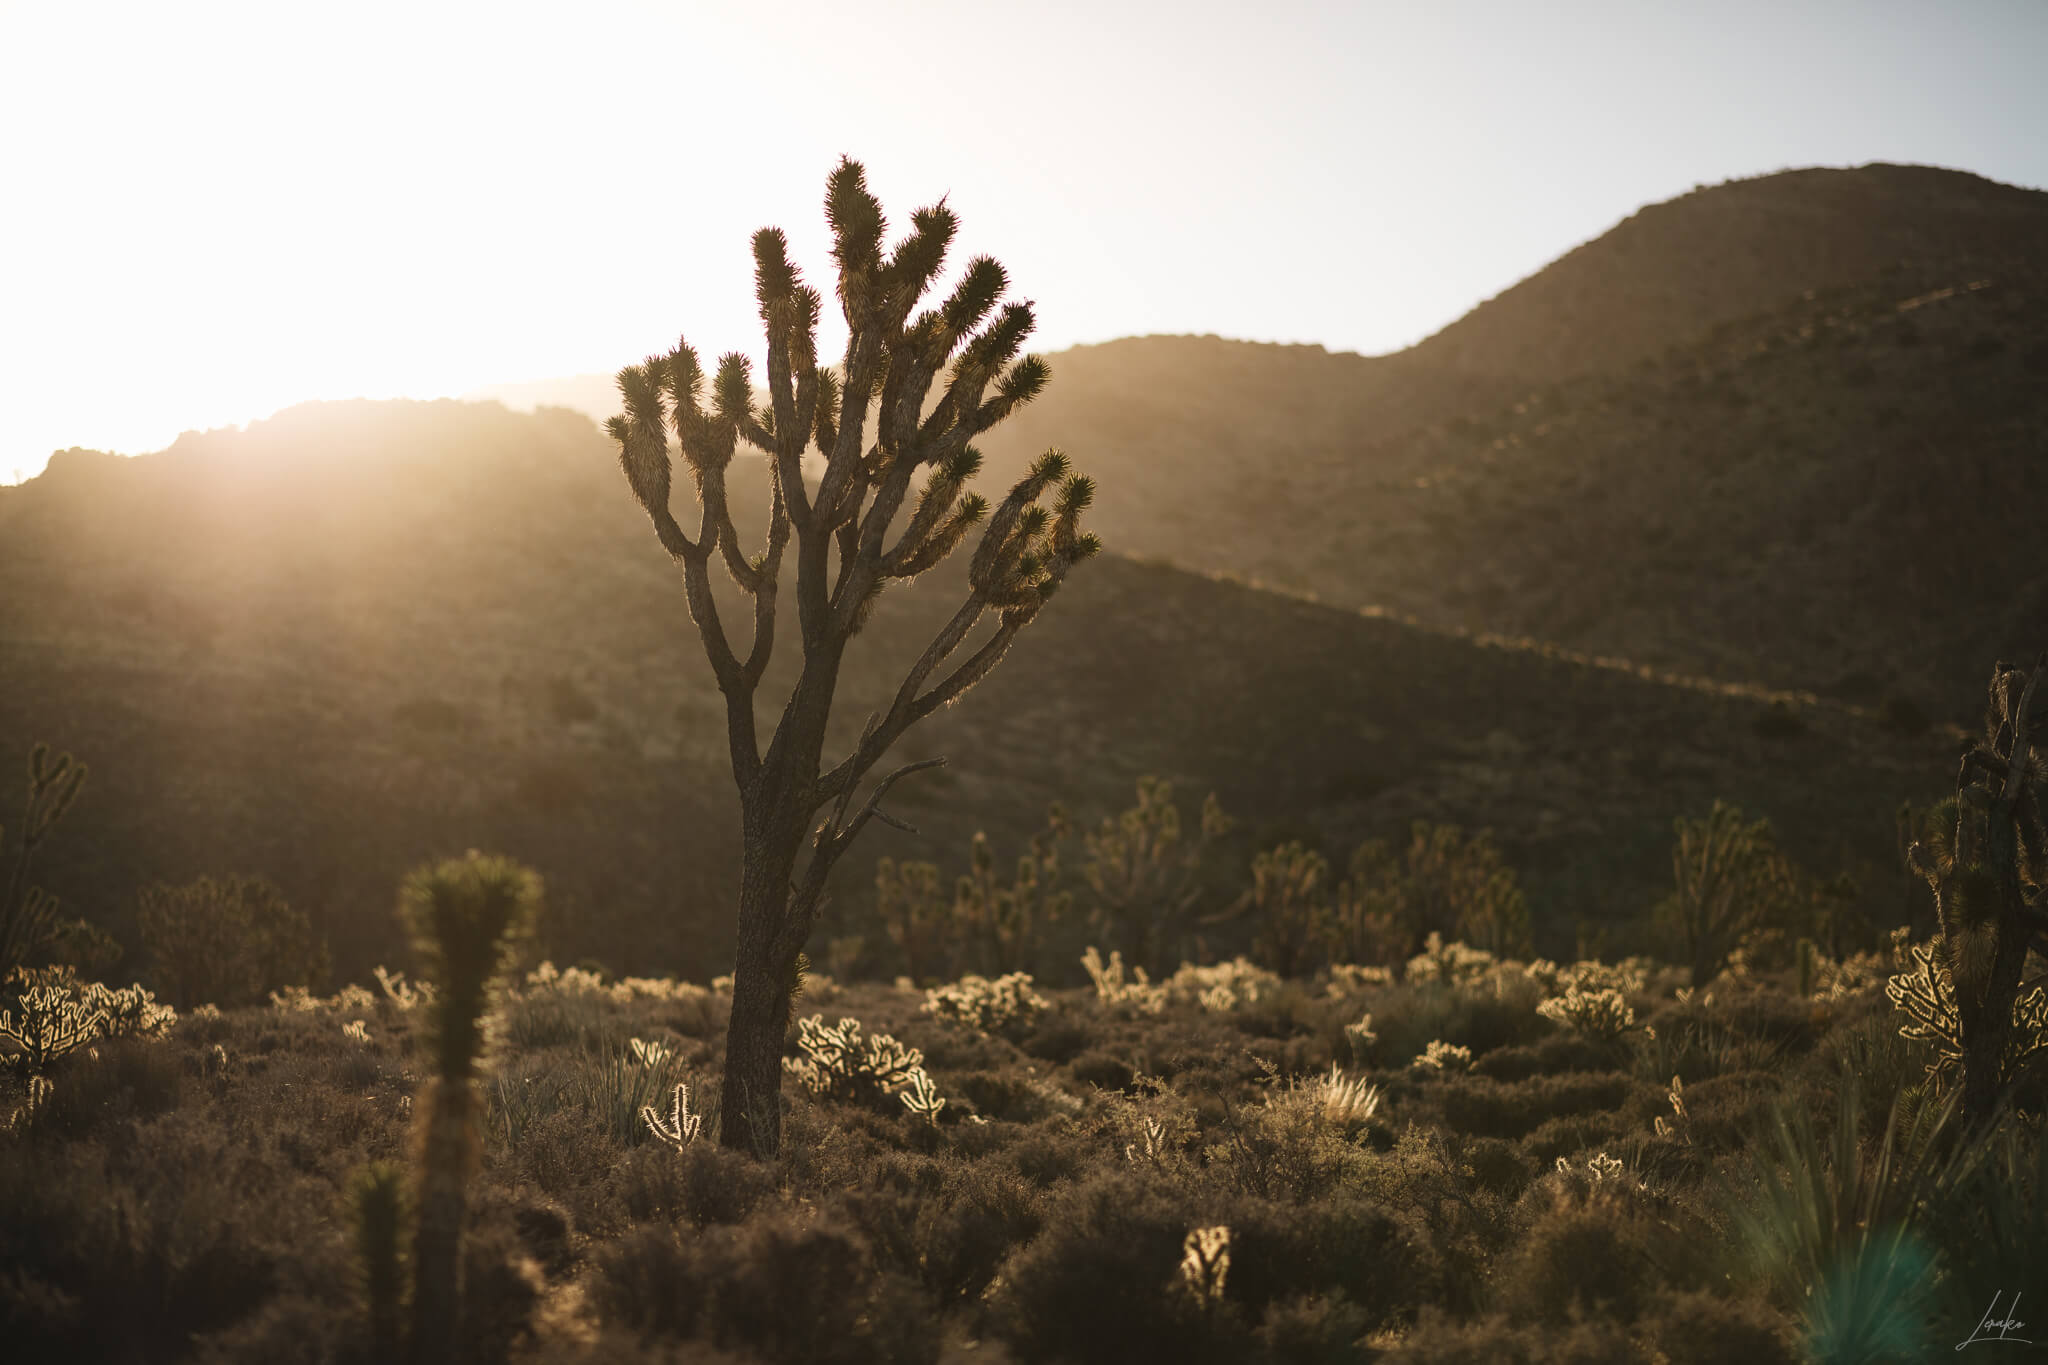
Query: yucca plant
{"type": "Point", "coordinates": [799, 815]}
{"type": "Point", "coordinates": [1837, 1226]}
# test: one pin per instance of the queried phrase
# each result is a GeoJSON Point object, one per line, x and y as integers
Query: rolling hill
{"type": "Point", "coordinates": [1785, 430]}
{"type": "Point", "coordinates": [359, 634]}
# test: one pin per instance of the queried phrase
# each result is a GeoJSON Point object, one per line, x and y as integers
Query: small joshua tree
{"type": "Point", "coordinates": [29, 922]}
{"type": "Point", "coordinates": [1730, 880]}
{"type": "Point", "coordinates": [845, 555]}
{"type": "Point", "coordinates": [1986, 858]}
{"type": "Point", "coordinates": [1147, 878]}
{"type": "Point", "coordinates": [464, 915]}
{"type": "Point", "coordinates": [1285, 902]}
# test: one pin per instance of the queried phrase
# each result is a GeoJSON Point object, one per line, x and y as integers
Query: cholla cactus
{"type": "Point", "coordinates": [1223, 987]}
{"type": "Point", "coordinates": [681, 1127]}
{"type": "Point", "coordinates": [1443, 1056]}
{"type": "Point", "coordinates": [1111, 989]}
{"type": "Point", "coordinates": [841, 1063]}
{"type": "Point", "coordinates": [1150, 1145]}
{"type": "Point", "coordinates": [1628, 977]}
{"type": "Point", "coordinates": [404, 997]}
{"type": "Point", "coordinates": [1599, 1168]}
{"type": "Point", "coordinates": [295, 1000]}
{"type": "Point", "coordinates": [1361, 1039]}
{"type": "Point", "coordinates": [1349, 978]}
{"type": "Point", "coordinates": [52, 1023]}
{"type": "Point", "coordinates": [1450, 964]}
{"type": "Point", "coordinates": [1006, 1006]}
{"type": "Point", "coordinates": [132, 1012]}
{"type": "Point", "coordinates": [921, 1097]}
{"type": "Point", "coordinates": [649, 1054]}
{"type": "Point", "coordinates": [357, 1032]}
{"type": "Point", "coordinates": [1926, 996]}
{"type": "Point", "coordinates": [1600, 1014]}
{"type": "Point", "coordinates": [1680, 1124]}
{"type": "Point", "coordinates": [353, 999]}
{"type": "Point", "coordinates": [1205, 1263]}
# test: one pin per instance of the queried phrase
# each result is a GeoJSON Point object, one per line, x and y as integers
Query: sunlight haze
{"type": "Point", "coordinates": [217, 211]}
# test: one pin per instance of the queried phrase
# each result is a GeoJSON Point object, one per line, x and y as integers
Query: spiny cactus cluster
{"type": "Point", "coordinates": [842, 1063]}
{"type": "Point", "coordinates": [1137, 994]}
{"type": "Point", "coordinates": [1443, 1056]}
{"type": "Point", "coordinates": [1004, 1007]}
{"type": "Point", "coordinates": [1205, 1263]}
{"type": "Point", "coordinates": [681, 1127]}
{"type": "Point", "coordinates": [1600, 1014]}
{"type": "Point", "coordinates": [61, 1014]}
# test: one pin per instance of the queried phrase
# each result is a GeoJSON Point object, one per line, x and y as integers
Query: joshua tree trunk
{"type": "Point", "coordinates": [1988, 864]}
{"type": "Point", "coordinates": [797, 816]}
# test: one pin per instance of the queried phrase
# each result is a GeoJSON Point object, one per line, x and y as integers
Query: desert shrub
{"type": "Point", "coordinates": [1381, 1262]}
{"type": "Point", "coordinates": [1701, 1329]}
{"type": "Point", "coordinates": [564, 1149]}
{"type": "Point", "coordinates": [1104, 1070]}
{"type": "Point", "coordinates": [1058, 1036]}
{"type": "Point", "coordinates": [1597, 1256]}
{"type": "Point", "coordinates": [122, 1080]}
{"type": "Point", "coordinates": [964, 1233]}
{"type": "Point", "coordinates": [1568, 1134]}
{"type": "Point", "coordinates": [1049, 1154]}
{"type": "Point", "coordinates": [1496, 1166]}
{"type": "Point", "coordinates": [1101, 1282]}
{"type": "Point", "coordinates": [1487, 1108]}
{"type": "Point", "coordinates": [790, 1290]}
{"type": "Point", "coordinates": [227, 943]}
{"type": "Point", "coordinates": [1559, 1053]}
{"type": "Point", "coordinates": [1311, 1329]}
{"type": "Point", "coordinates": [106, 1266]}
{"type": "Point", "coordinates": [703, 1184]}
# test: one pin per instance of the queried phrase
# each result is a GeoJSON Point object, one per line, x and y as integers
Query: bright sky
{"type": "Point", "coordinates": [210, 212]}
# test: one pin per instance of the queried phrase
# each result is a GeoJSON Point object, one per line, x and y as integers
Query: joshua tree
{"type": "Point", "coordinates": [1987, 859]}
{"type": "Point", "coordinates": [465, 916]}
{"type": "Point", "coordinates": [29, 922]}
{"type": "Point", "coordinates": [1730, 879]}
{"type": "Point", "coordinates": [799, 816]}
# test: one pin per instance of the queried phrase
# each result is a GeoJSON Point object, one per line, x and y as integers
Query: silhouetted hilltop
{"type": "Point", "coordinates": [1673, 271]}
{"type": "Point", "coordinates": [361, 634]}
